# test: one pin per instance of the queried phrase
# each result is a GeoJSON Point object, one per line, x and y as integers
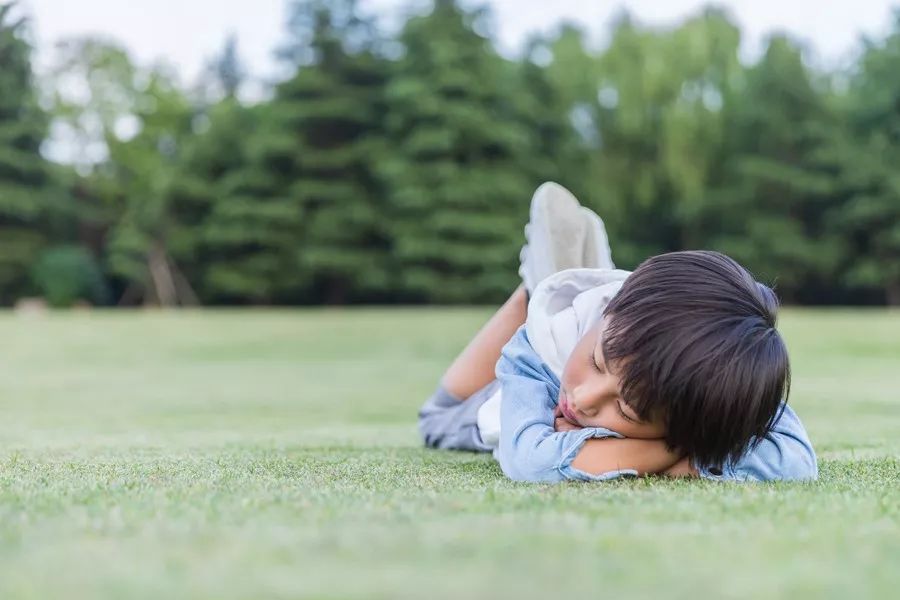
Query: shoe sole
{"type": "Point", "coordinates": [597, 253]}
{"type": "Point", "coordinates": [559, 226]}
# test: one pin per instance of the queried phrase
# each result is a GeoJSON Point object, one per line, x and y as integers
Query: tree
{"type": "Point", "coordinates": [548, 116]}
{"type": "Point", "coordinates": [457, 187]}
{"type": "Point", "coordinates": [228, 68]}
{"type": "Point", "coordinates": [335, 104]}
{"type": "Point", "coordinates": [205, 173]}
{"type": "Point", "coordinates": [223, 75]}
{"type": "Point", "coordinates": [657, 109]}
{"type": "Point", "coordinates": [29, 201]}
{"type": "Point", "coordinates": [301, 221]}
{"type": "Point", "coordinates": [143, 168]}
{"type": "Point", "coordinates": [127, 132]}
{"type": "Point", "coordinates": [215, 150]}
{"type": "Point", "coordinates": [870, 217]}
{"type": "Point", "coordinates": [777, 189]}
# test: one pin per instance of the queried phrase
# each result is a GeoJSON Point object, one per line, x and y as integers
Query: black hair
{"type": "Point", "coordinates": [693, 338]}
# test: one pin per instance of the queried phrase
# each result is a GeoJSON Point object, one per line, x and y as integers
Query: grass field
{"type": "Point", "coordinates": [274, 454]}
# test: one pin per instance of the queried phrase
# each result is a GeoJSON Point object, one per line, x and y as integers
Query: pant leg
{"type": "Point", "coordinates": [448, 423]}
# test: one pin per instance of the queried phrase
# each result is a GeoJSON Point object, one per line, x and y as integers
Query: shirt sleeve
{"type": "Point", "coordinates": [784, 454]}
{"type": "Point", "coordinates": [530, 449]}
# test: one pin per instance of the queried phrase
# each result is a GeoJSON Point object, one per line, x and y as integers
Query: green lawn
{"type": "Point", "coordinates": [249, 454]}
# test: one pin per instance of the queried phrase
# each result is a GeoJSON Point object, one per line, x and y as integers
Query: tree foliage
{"type": "Point", "coordinates": [29, 206]}
{"type": "Point", "coordinates": [457, 171]}
{"type": "Point", "coordinates": [398, 167]}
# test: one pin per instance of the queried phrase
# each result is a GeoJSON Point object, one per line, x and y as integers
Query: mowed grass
{"type": "Point", "coordinates": [247, 454]}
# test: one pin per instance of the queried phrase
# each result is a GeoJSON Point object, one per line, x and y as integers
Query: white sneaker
{"type": "Point", "coordinates": [555, 235]}
{"type": "Point", "coordinates": [597, 254]}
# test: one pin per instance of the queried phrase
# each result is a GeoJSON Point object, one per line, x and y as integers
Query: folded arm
{"type": "Point", "coordinates": [644, 456]}
{"type": "Point", "coordinates": [784, 454]}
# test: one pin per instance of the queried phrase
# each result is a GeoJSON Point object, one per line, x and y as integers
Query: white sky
{"type": "Point", "coordinates": [186, 33]}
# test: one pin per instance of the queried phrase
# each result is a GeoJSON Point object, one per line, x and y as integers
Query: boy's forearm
{"type": "Point", "coordinates": [683, 468]}
{"type": "Point", "coordinates": [644, 456]}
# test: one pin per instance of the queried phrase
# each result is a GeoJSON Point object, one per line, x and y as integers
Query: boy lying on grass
{"type": "Point", "coordinates": [673, 369]}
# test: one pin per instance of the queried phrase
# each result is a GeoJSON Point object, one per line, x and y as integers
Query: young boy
{"type": "Point", "coordinates": [675, 368]}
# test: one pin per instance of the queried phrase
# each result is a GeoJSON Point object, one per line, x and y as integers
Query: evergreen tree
{"type": "Point", "coordinates": [769, 211]}
{"type": "Point", "coordinates": [459, 192]}
{"type": "Point", "coordinates": [252, 229]}
{"type": "Point", "coordinates": [869, 219]}
{"type": "Point", "coordinates": [301, 222]}
{"type": "Point", "coordinates": [335, 104]}
{"type": "Point", "coordinates": [657, 110]}
{"type": "Point", "coordinates": [228, 68]}
{"type": "Point", "coordinates": [28, 201]}
{"type": "Point", "coordinates": [217, 150]}
{"type": "Point", "coordinates": [557, 152]}
{"type": "Point", "coordinates": [211, 160]}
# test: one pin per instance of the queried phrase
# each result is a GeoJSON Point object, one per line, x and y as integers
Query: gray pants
{"type": "Point", "coordinates": [450, 423]}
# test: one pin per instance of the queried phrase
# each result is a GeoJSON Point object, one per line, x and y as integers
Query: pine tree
{"type": "Point", "coordinates": [301, 221]}
{"type": "Point", "coordinates": [557, 152]}
{"type": "Point", "coordinates": [869, 219]}
{"type": "Point", "coordinates": [335, 104]}
{"type": "Point", "coordinates": [770, 209]}
{"type": "Point", "coordinates": [458, 190]}
{"type": "Point", "coordinates": [657, 112]}
{"type": "Point", "coordinates": [27, 201]}
{"type": "Point", "coordinates": [228, 68]}
{"type": "Point", "coordinates": [205, 175]}
{"type": "Point", "coordinates": [211, 157]}
{"type": "Point", "coordinates": [253, 225]}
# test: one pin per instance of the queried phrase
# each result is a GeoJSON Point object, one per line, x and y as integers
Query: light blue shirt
{"type": "Point", "coordinates": [531, 450]}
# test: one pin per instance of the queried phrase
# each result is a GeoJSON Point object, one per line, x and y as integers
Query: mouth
{"type": "Point", "coordinates": [566, 410]}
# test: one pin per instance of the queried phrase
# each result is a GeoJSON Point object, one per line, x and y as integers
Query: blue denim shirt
{"type": "Point", "coordinates": [531, 450]}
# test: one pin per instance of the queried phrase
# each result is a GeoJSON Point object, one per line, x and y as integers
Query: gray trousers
{"type": "Point", "coordinates": [450, 423]}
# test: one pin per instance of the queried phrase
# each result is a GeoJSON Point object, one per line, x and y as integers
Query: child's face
{"type": "Point", "coordinates": [589, 395]}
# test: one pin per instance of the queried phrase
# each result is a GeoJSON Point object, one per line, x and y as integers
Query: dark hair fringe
{"type": "Point", "coordinates": [693, 337]}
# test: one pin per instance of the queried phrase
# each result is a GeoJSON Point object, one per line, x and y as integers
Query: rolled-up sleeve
{"type": "Point", "coordinates": [530, 449]}
{"type": "Point", "coordinates": [784, 454]}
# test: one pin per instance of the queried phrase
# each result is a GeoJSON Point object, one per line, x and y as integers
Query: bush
{"type": "Point", "coordinates": [66, 274]}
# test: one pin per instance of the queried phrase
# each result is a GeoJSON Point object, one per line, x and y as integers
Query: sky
{"type": "Point", "coordinates": [187, 33]}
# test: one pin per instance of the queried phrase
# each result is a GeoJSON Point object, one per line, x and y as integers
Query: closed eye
{"type": "Point", "coordinates": [623, 414]}
{"type": "Point", "coordinates": [626, 416]}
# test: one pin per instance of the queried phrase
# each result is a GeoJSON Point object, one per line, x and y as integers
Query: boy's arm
{"type": "Point", "coordinates": [641, 455]}
{"type": "Point", "coordinates": [683, 468]}
{"type": "Point", "coordinates": [644, 456]}
{"type": "Point", "coordinates": [784, 454]}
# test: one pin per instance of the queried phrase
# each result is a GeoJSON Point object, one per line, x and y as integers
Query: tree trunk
{"type": "Point", "coordinates": [892, 293]}
{"type": "Point", "coordinates": [186, 294]}
{"type": "Point", "coordinates": [336, 292]}
{"type": "Point", "coordinates": [161, 274]}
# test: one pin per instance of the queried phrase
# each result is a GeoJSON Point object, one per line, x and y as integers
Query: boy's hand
{"type": "Point", "coordinates": [561, 424]}
{"type": "Point", "coordinates": [682, 468]}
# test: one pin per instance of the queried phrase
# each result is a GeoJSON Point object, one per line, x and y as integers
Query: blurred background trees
{"type": "Point", "coordinates": [399, 167]}
{"type": "Point", "coordinates": [30, 205]}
